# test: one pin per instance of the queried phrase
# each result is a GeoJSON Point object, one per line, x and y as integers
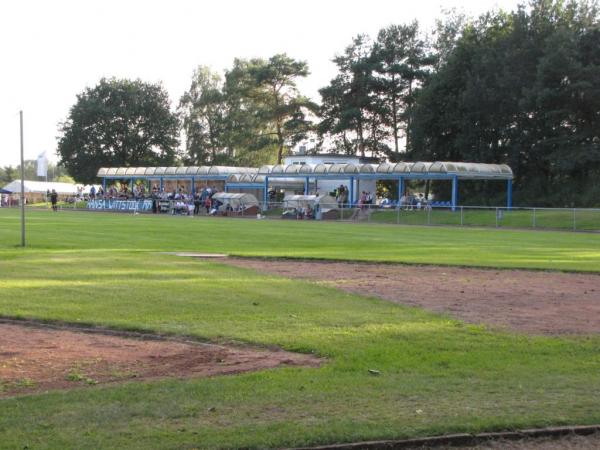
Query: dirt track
{"type": "Point", "coordinates": [39, 358]}
{"type": "Point", "coordinates": [533, 302]}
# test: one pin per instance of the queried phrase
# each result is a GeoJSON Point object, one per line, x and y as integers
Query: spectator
{"type": "Point", "coordinates": [197, 204]}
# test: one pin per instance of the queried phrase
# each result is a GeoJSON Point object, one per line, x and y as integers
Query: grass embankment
{"type": "Point", "coordinates": [436, 375]}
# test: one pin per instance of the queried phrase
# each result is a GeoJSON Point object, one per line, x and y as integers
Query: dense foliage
{"type": "Point", "coordinates": [118, 123]}
{"type": "Point", "coordinates": [253, 116]}
{"type": "Point", "coordinates": [523, 89]}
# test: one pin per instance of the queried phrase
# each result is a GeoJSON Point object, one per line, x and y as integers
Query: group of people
{"type": "Point", "coordinates": [410, 202]}
{"type": "Point", "coordinates": [365, 200]}
{"type": "Point", "coordinates": [96, 194]}
{"type": "Point", "coordinates": [181, 202]}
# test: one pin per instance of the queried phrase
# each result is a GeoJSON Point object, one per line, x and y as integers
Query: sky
{"type": "Point", "coordinates": [52, 50]}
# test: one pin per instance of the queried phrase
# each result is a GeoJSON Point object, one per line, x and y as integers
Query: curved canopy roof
{"type": "Point", "coordinates": [180, 171]}
{"type": "Point", "coordinates": [235, 199]}
{"type": "Point", "coordinates": [416, 169]}
{"type": "Point", "coordinates": [461, 169]}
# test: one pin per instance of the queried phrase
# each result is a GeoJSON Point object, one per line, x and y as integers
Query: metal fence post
{"type": "Point", "coordinates": [496, 217]}
{"type": "Point", "coordinates": [428, 216]}
{"type": "Point", "coordinates": [398, 215]}
{"type": "Point", "coordinates": [462, 216]}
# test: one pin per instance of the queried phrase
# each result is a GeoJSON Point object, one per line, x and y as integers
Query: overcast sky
{"type": "Point", "coordinates": [51, 50]}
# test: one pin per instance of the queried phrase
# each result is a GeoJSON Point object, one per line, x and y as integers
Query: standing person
{"type": "Point", "coordinates": [362, 200]}
{"type": "Point", "coordinates": [54, 200]}
{"type": "Point", "coordinates": [197, 204]}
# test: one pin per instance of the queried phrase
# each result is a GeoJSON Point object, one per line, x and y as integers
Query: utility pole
{"type": "Point", "coordinates": [22, 185]}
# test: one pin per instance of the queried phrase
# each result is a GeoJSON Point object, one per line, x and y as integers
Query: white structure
{"type": "Point", "coordinates": [327, 186]}
{"type": "Point", "coordinates": [38, 189]}
{"type": "Point", "coordinates": [41, 187]}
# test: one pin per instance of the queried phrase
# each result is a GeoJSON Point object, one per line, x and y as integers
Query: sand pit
{"type": "Point", "coordinates": [38, 358]}
{"type": "Point", "coordinates": [533, 302]}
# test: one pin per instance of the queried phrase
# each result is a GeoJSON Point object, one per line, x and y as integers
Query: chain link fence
{"type": "Point", "coordinates": [573, 219]}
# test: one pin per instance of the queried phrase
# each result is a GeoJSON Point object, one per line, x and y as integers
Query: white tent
{"type": "Point", "coordinates": [41, 187]}
{"type": "Point", "coordinates": [325, 202]}
{"type": "Point", "coordinates": [235, 200]}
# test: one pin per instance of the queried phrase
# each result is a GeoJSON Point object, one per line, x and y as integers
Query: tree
{"type": "Point", "coordinates": [118, 123]}
{"type": "Point", "coordinates": [401, 64]}
{"type": "Point", "coordinates": [251, 117]}
{"type": "Point", "coordinates": [8, 174]}
{"type": "Point", "coordinates": [521, 88]}
{"type": "Point", "coordinates": [64, 179]}
{"type": "Point", "coordinates": [348, 106]}
{"type": "Point", "coordinates": [204, 112]}
{"type": "Point", "coordinates": [278, 104]}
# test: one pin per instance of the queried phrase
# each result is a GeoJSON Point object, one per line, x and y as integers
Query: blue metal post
{"type": "Point", "coordinates": [509, 189]}
{"type": "Point", "coordinates": [194, 186]}
{"type": "Point", "coordinates": [454, 192]}
{"type": "Point", "coordinates": [104, 185]}
{"type": "Point", "coordinates": [161, 184]}
{"type": "Point", "coordinates": [351, 199]}
{"type": "Point", "coordinates": [306, 186]}
{"type": "Point", "coordinates": [400, 188]}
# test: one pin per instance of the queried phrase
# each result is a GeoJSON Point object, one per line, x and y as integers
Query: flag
{"type": "Point", "coordinates": [42, 165]}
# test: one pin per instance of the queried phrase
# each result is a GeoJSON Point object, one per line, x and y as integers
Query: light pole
{"type": "Point", "coordinates": [22, 184]}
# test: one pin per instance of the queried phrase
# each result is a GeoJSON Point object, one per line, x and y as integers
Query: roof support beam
{"type": "Point", "coordinates": [454, 192]}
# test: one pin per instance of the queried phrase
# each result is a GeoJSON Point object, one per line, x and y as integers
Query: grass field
{"type": "Point", "coordinates": [552, 219]}
{"type": "Point", "coordinates": [437, 375]}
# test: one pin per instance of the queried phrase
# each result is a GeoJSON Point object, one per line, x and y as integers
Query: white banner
{"type": "Point", "coordinates": [42, 165]}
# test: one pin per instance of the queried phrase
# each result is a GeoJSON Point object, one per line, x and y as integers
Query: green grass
{"type": "Point", "coordinates": [543, 219]}
{"type": "Point", "coordinates": [306, 239]}
{"type": "Point", "coordinates": [437, 375]}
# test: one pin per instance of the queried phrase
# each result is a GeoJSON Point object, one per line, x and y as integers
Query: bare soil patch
{"type": "Point", "coordinates": [533, 302]}
{"type": "Point", "coordinates": [38, 358]}
{"type": "Point", "coordinates": [591, 442]}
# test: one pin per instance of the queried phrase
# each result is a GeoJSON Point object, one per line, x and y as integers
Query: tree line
{"type": "Point", "coordinates": [56, 173]}
{"type": "Point", "coordinates": [516, 87]}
